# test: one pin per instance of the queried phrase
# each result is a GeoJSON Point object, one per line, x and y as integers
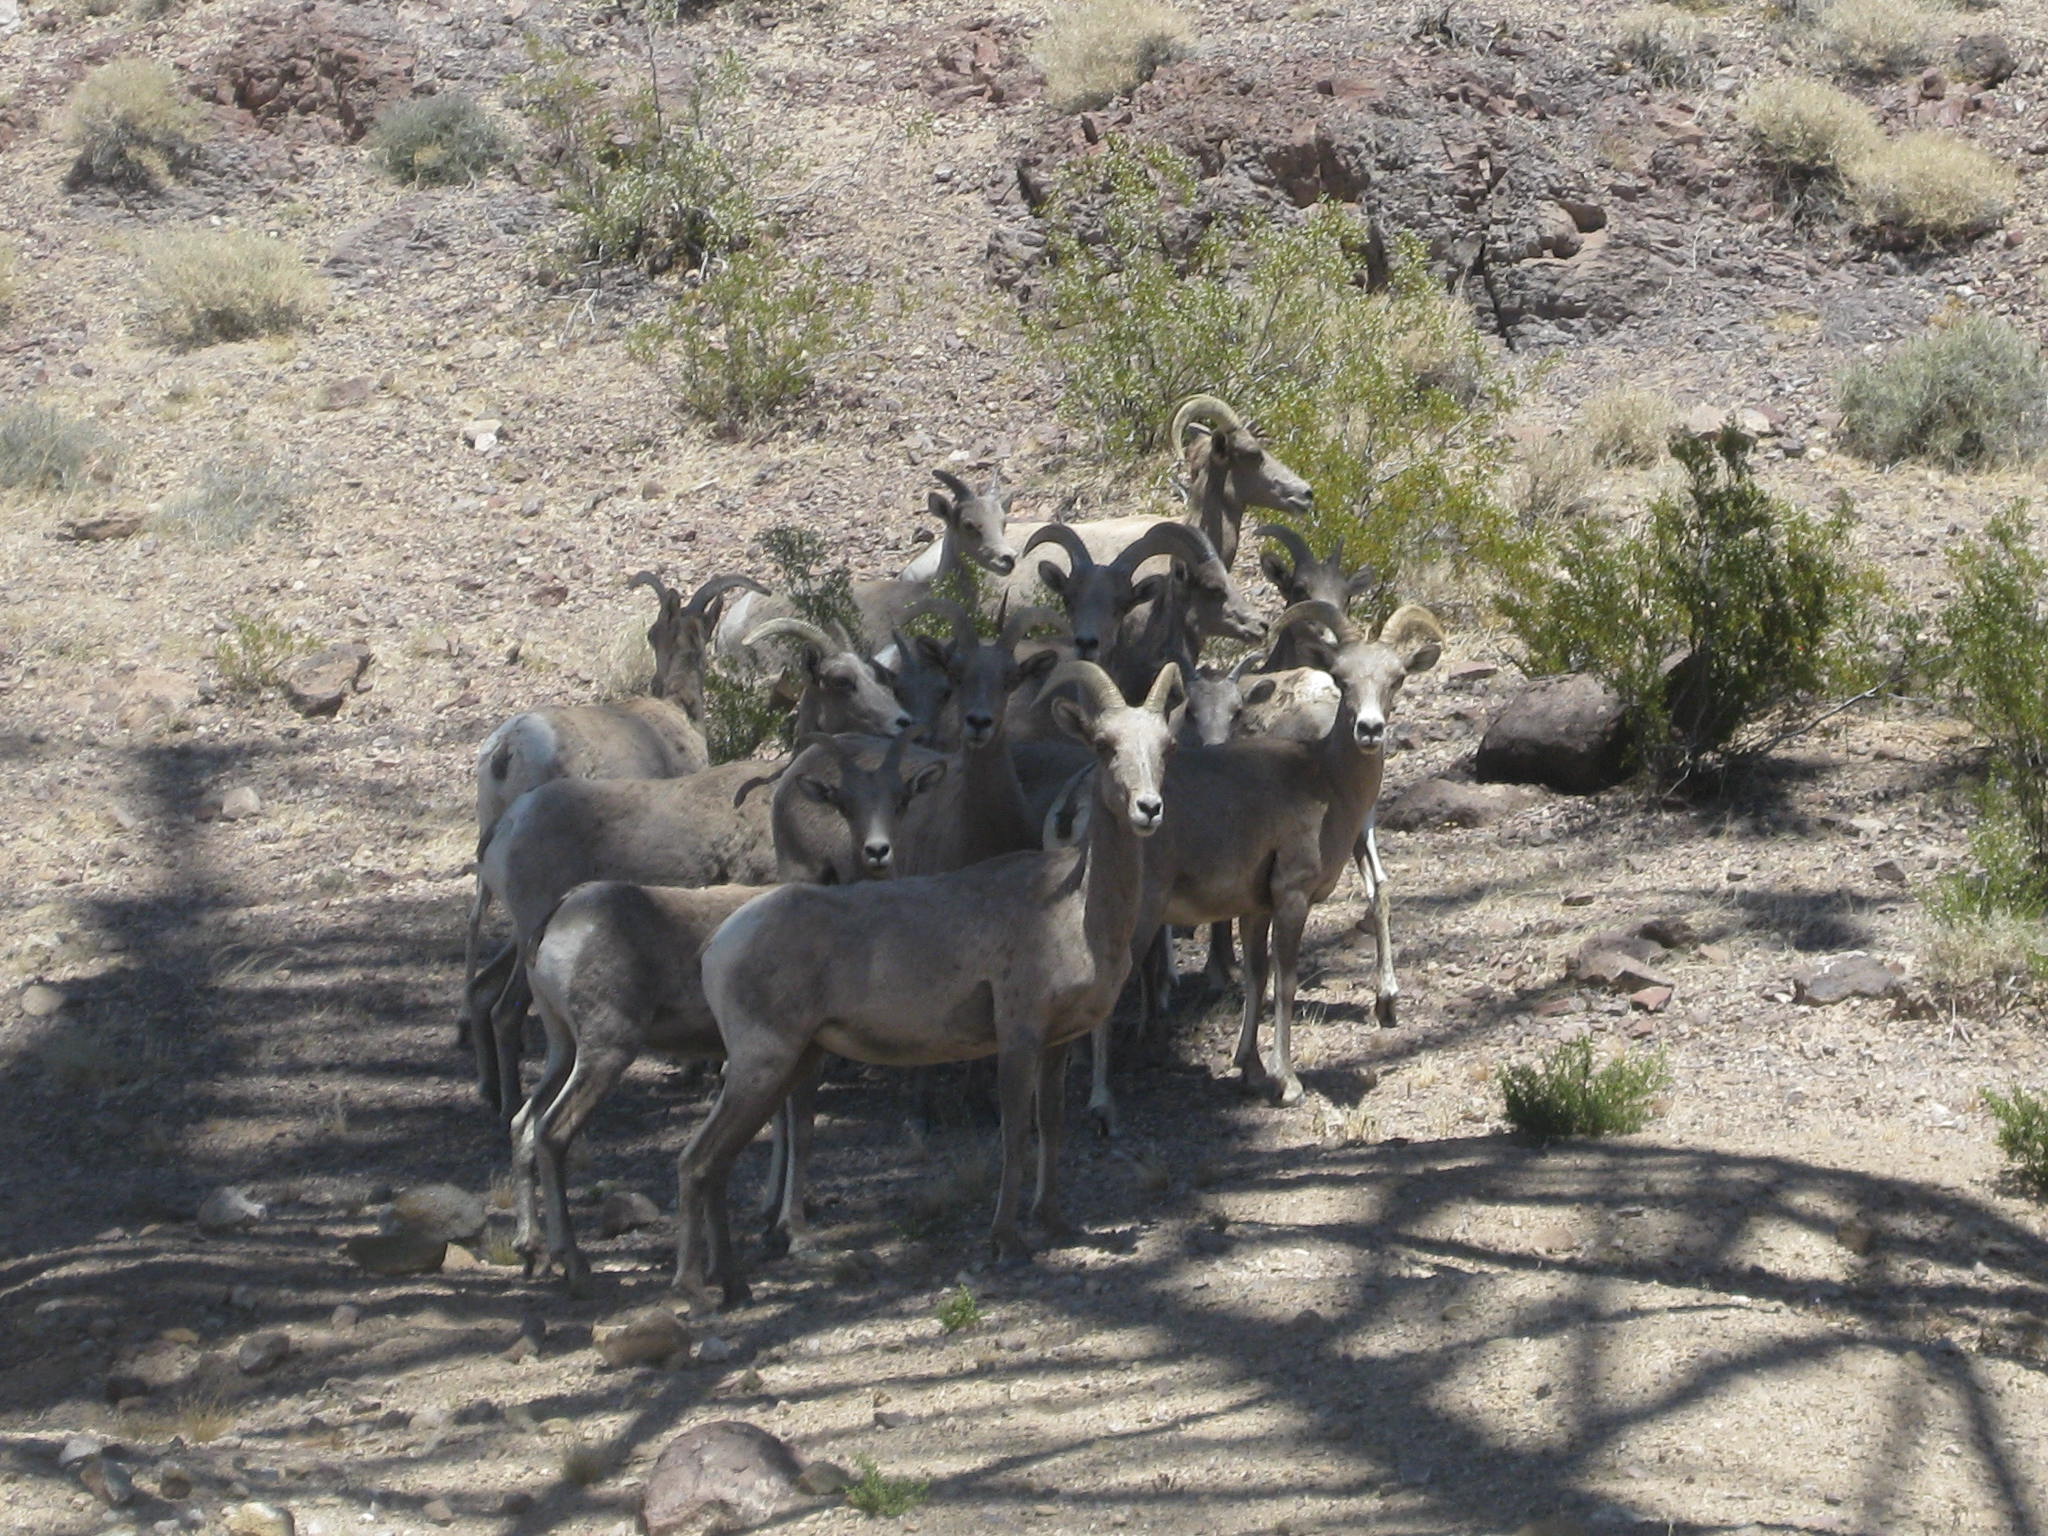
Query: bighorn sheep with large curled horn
{"type": "Point", "coordinates": [1098, 595]}
{"type": "Point", "coordinates": [1229, 469]}
{"type": "Point", "coordinates": [1013, 957]}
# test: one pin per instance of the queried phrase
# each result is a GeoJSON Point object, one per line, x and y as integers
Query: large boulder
{"type": "Point", "coordinates": [1566, 733]}
{"type": "Point", "coordinates": [724, 1476]}
{"type": "Point", "coordinates": [337, 64]}
{"type": "Point", "coordinates": [1436, 803]}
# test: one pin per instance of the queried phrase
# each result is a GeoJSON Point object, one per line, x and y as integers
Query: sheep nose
{"type": "Point", "coordinates": [903, 723]}
{"type": "Point", "coordinates": [1370, 732]}
{"type": "Point", "coordinates": [1085, 646]}
{"type": "Point", "coordinates": [877, 855]}
{"type": "Point", "coordinates": [1002, 565]}
{"type": "Point", "coordinates": [1149, 808]}
{"type": "Point", "coordinates": [979, 726]}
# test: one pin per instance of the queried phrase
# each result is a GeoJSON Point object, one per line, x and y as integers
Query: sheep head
{"type": "Point", "coordinates": [976, 520]}
{"type": "Point", "coordinates": [1226, 459]}
{"type": "Point", "coordinates": [1130, 742]}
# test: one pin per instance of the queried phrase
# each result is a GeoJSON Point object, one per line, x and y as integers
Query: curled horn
{"type": "Point", "coordinates": [1315, 611]}
{"type": "Point", "coordinates": [716, 588]}
{"type": "Point", "coordinates": [1410, 624]}
{"type": "Point", "coordinates": [953, 483]}
{"type": "Point", "coordinates": [796, 629]}
{"type": "Point", "coordinates": [1189, 545]}
{"type": "Point", "coordinates": [1297, 546]}
{"type": "Point", "coordinates": [1245, 663]}
{"type": "Point", "coordinates": [1063, 535]}
{"type": "Point", "coordinates": [964, 637]}
{"type": "Point", "coordinates": [1091, 679]}
{"type": "Point", "coordinates": [1203, 408]}
{"type": "Point", "coordinates": [1015, 624]}
{"type": "Point", "coordinates": [662, 590]}
{"type": "Point", "coordinates": [1164, 687]}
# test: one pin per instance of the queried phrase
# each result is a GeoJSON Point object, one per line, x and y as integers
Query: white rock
{"type": "Point", "coordinates": [240, 802]}
{"type": "Point", "coordinates": [39, 1001]}
{"type": "Point", "coordinates": [229, 1210]}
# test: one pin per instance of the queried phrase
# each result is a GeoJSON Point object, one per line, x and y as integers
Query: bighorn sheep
{"type": "Point", "coordinates": [1259, 830]}
{"type": "Point", "coordinates": [1013, 957]}
{"type": "Point", "coordinates": [1098, 595]}
{"type": "Point", "coordinates": [1300, 577]}
{"type": "Point", "coordinates": [845, 690]}
{"type": "Point", "coordinates": [615, 974]}
{"type": "Point", "coordinates": [1228, 470]}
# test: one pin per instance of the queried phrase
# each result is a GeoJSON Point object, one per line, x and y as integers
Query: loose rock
{"type": "Point", "coordinates": [1562, 732]}
{"type": "Point", "coordinates": [647, 1336]}
{"type": "Point", "coordinates": [1448, 803]}
{"type": "Point", "coordinates": [396, 1253]}
{"type": "Point", "coordinates": [317, 685]}
{"type": "Point", "coordinates": [626, 1211]}
{"type": "Point", "coordinates": [240, 802]}
{"type": "Point", "coordinates": [1840, 977]}
{"type": "Point", "coordinates": [262, 1352]}
{"type": "Point", "coordinates": [727, 1475]}
{"type": "Point", "coordinates": [259, 1520]}
{"type": "Point", "coordinates": [100, 528]}
{"type": "Point", "coordinates": [229, 1210]}
{"type": "Point", "coordinates": [39, 1001]}
{"type": "Point", "coordinates": [439, 1211]}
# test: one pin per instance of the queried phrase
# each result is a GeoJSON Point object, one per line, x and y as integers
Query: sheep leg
{"type": "Point", "coordinates": [480, 996]}
{"type": "Point", "coordinates": [1017, 1072]}
{"type": "Point", "coordinates": [754, 1086]}
{"type": "Point", "coordinates": [479, 904]}
{"type": "Point", "coordinates": [526, 1158]}
{"type": "Point", "coordinates": [1221, 954]}
{"type": "Point", "coordinates": [1101, 1102]}
{"type": "Point", "coordinates": [1373, 875]}
{"type": "Point", "coordinates": [1052, 1128]}
{"type": "Point", "coordinates": [789, 1165]}
{"type": "Point", "coordinates": [594, 1071]}
{"type": "Point", "coordinates": [1290, 918]}
{"type": "Point", "coordinates": [1155, 994]}
{"type": "Point", "coordinates": [505, 1036]}
{"type": "Point", "coordinates": [1254, 931]}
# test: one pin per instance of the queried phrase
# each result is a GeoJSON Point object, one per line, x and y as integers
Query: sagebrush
{"type": "Point", "coordinates": [1807, 131]}
{"type": "Point", "coordinates": [747, 342]}
{"type": "Point", "coordinates": [43, 448]}
{"type": "Point", "coordinates": [874, 1493]}
{"type": "Point", "coordinates": [1930, 188]}
{"type": "Point", "coordinates": [1627, 427]}
{"type": "Point", "coordinates": [228, 500]}
{"type": "Point", "coordinates": [251, 656]}
{"type": "Point", "coordinates": [132, 125]}
{"type": "Point", "coordinates": [1875, 39]}
{"type": "Point", "coordinates": [1753, 595]}
{"type": "Point", "coordinates": [1970, 393]}
{"type": "Point", "coordinates": [1564, 1094]}
{"type": "Point", "coordinates": [1671, 46]}
{"type": "Point", "coordinates": [1358, 369]}
{"type": "Point", "coordinates": [2022, 1117]}
{"type": "Point", "coordinates": [437, 139]}
{"type": "Point", "coordinates": [205, 286]}
{"type": "Point", "coordinates": [1094, 50]}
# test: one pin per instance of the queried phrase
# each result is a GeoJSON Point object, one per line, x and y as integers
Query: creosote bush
{"type": "Point", "coordinates": [741, 709]}
{"type": "Point", "coordinates": [132, 125]}
{"type": "Point", "coordinates": [1564, 1095]}
{"type": "Point", "coordinates": [959, 1310]}
{"type": "Point", "coordinates": [1627, 427]}
{"type": "Point", "coordinates": [2022, 1117]}
{"type": "Point", "coordinates": [1964, 395]}
{"type": "Point", "coordinates": [1671, 46]}
{"type": "Point", "coordinates": [1875, 39]}
{"type": "Point", "coordinates": [437, 139]}
{"type": "Point", "coordinates": [1808, 131]}
{"type": "Point", "coordinates": [1752, 594]}
{"type": "Point", "coordinates": [1095, 50]}
{"type": "Point", "coordinates": [1387, 400]}
{"type": "Point", "coordinates": [1931, 188]}
{"type": "Point", "coordinates": [42, 449]}
{"type": "Point", "coordinates": [227, 501]}
{"type": "Point", "coordinates": [659, 181]}
{"type": "Point", "coordinates": [747, 342]}
{"type": "Point", "coordinates": [874, 1494]}
{"type": "Point", "coordinates": [252, 655]}
{"type": "Point", "coordinates": [208, 286]}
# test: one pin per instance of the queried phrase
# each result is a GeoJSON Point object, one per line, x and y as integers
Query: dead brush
{"type": "Point", "coordinates": [197, 1418]}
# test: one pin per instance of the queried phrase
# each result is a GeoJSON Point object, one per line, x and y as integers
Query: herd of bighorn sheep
{"type": "Point", "coordinates": [975, 842]}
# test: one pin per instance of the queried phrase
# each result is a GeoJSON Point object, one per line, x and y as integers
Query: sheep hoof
{"type": "Point", "coordinates": [1104, 1118]}
{"type": "Point", "coordinates": [1009, 1250]}
{"type": "Point", "coordinates": [737, 1294]}
{"type": "Point", "coordinates": [1286, 1090]}
{"type": "Point", "coordinates": [1383, 1009]}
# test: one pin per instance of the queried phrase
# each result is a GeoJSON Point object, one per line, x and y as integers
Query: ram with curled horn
{"type": "Point", "coordinates": [1229, 468]}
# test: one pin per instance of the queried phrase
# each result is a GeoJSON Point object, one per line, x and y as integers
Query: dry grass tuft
{"type": "Point", "coordinates": [1971, 393]}
{"type": "Point", "coordinates": [1095, 50]}
{"type": "Point", "coordinates": [1808, 130]}
{"type": "Point", "coordinates": [204, 287]}
{"type": "Point", "coordinates": [1627, 427]}
{"type": "Point", "coordinates": [10, 274]}
{"type": "Point", "coordinates": [1671, 46]}
{"type": "Point", "coordinates": [1554, 480]}
{"type": "Point", "coordinates": [198, 1418]}
{"type": "Point", "coordinates": [228, 501]}
{"type": "Point", "coordinates": [132, 125]}
{"type": "Point", "coordinates": [42, 449]}
{"type": "Point", "coordinates": [1931, 188]}
{"type": "Point", "coordinates": [1876, 39]}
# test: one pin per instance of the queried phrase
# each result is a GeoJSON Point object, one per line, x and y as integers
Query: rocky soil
{"type": "Point", "coordinates": [1805, 1300]}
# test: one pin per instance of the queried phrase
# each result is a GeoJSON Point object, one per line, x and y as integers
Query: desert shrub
{"type": "Point", "coordinates": [1669, 45]}
{"type": "Point", "coordinates": [959, 1310]}
{"type": "Point", "coordinates": [42, 449]}
{"type": "Point", "coordinates": [1931, 188]}
{"type": "Point", "coordinates": [227, 501]}
{"type": "Point", "coordinates": [1564, 1095]}
{"type": "Point", "coordinates": [1627, 427]}
{"type": "Point", "coordinates": [873, 1493]}
{"type": "Point", "coordinates": [207, 286]}
{"type": "Point", "coordinates": [740, 712]}
{"type": "Point", "coordinates": [1971, 393]}
{"type": "Point", "coordinates": [1554, 479]}
{"type": "Point", "coordinates": [655, 183]}
{"type": "Point", "coordinates": [252, 654]}
{"type": "Point", "coordinates": [2022, 1118]}
{"type": "Point", "coordinates": [746, 343]}
{"type": "Point", "coordinates": [1094, 50]}
{"type": "Point", "coordinates": [131, 125]}
{"type": "Point", "coordinates": [743, 710]}
{"type": "Point", "coordinates": [446, 138]}
{"type": "Point", "coordinates": [1387, 401]}
{"type": "Point", "coordinates": [1751, 592]}
{"type": "Point", "coordinates": [1997, 630]}
{"type": "Point", "coordinates": [1807, 130]}
{"type": "Point", "coordinates": [1875, 38]}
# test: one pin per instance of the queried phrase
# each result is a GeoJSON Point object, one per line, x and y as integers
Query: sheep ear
{"type": "Point", "coordinates": [941, 508]}
{"type": "Point", "coordinates": [1151, 589]}
{"type": "Point", "coordinates": [1053, 576]}
{"type": "Point", "coordinates": [1038, 665]}
{"type": "Point", "coordinates": [1275, 569]}
{"type": "Point", "coordinates": [928, 777]}
{"type": "Point", "coordinates": [1073, 719]}
{"type": "Point", "coordinates": [1258, 693]}
{"type": "Point", "coordinates": [1424, 656]}
{"type": "Point", "coordinates": [931, 652]}
{"type": "Point", "coordinates": [819, 790]}
{"type": "Point", "coordinates": [1362, 581]}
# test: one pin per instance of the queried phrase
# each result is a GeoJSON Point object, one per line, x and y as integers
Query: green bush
{"type": "Point", "coordinates": [743, 710]}
{"type": "Point", "coordinates": [1669, 45]}
{"type": "Point", "coordinates": [1094, 50]}
{"type": "Point", "coordinates": [208, 286]}
{"type": "Point", "coordinates": [446, 138]}
{"type": "Point", "coordinates": [1563, 1095]}
{"type": "Point", "coordinates": [959, 1310]}
{"type": "Point", "coordinates": [1808, 131]}
{"type": "Point", "coordinates": [1963, 395]}
{"type": "Point", "coordinates": [1931, 188]}
{"type": "Point", "coordinates": [1750, 591]}
{"type": "Point", "coordinates": [747, 342]}
{"type": "Point", "coordinates": [42, 449]}
{"type": "Point", "coordinates": [227, 501]}
{"type": "Point", "coordinates": [132, 126]}
{"type": "Point", "coordinates": [650, 182]}
{"type": "Point", "coordinates": [252, 655]}
{"type": "Point", "coordinates": [2022, 1119]}
{"type": "Point", "coordinates": [874, 1494]}
{"type": "Point", "coordinates": [1388, 402]}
